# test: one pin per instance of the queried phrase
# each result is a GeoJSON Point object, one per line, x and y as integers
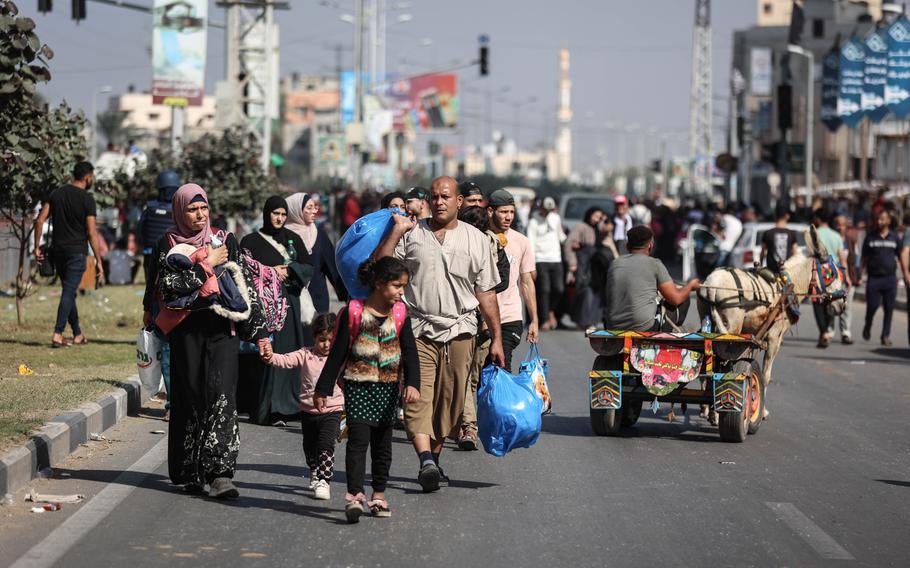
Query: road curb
{"type": "Point", "coordinates": [62, 434]}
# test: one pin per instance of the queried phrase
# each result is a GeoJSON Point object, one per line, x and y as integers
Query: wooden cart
{"type": "Point", "coordinates": [635, 368]}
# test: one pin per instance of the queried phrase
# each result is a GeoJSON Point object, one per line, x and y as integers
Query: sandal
{"type": "Point", "coordinates": [379, 508]}
{"type": "Point", "coordinates": [353, 508]}
{"type": "Point", "coordinates": [58, 344]}
{"type": "Point", "coordinates": [83, 342]}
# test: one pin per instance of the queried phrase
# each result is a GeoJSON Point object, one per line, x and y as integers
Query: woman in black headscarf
{"type": "Point", "coordinates": [273, 395]}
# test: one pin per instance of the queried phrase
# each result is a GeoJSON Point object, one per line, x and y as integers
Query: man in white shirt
{"type": "Point", "coordinates": [622, 222]}
{"type": "Point", "coordinates": [545, 236]}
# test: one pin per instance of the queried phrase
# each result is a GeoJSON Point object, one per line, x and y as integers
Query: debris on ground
{"type": "Point", "coordinates": [47, 507]}
{"type": "Point", "coordinates": [25, 370]}
{"type": "Point", "coordinates": [158, 432]}
{"type": "Point", "coordinates": [727, 463]}
{"type": "Point", "coordinates": [36, 497]}
{"type": "Point", "coordinates": [95, 437]}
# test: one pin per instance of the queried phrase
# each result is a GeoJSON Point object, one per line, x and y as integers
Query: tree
{"type": "Point", "coordinates": [112, 125]}
{"type": "Point", "coordinates": [228, 168]}
{"type": "Point", "coordinates": [38, 146]}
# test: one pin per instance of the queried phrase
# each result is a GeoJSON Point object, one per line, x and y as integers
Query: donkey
{"type": "Point", "coordinates": [740, 301]}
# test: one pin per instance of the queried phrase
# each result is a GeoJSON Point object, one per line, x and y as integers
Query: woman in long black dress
{"type": "Point", "coordinates": [203, 440]}
{"type": "Point", "coordinates": [275, 395]}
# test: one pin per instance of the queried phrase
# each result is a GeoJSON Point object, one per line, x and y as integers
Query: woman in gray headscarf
{"type": "Point", "coordinates": [302, 212]}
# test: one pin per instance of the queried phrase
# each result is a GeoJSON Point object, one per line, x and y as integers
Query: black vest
{"type": "Point", "coordinates": [156, 220]}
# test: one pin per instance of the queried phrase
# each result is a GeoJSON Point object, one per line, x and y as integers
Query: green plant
{"type": "Point", "coordinates": [38, 145]}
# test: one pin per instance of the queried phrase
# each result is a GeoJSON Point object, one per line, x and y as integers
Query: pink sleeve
{"type": "Point", "coordinates": [291, 360]}
{"type": "Point", "coordinates": [526, 262]}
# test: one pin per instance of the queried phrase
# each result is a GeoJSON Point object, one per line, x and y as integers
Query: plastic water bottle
{"type": "Point", "coordinates": [706, 325]}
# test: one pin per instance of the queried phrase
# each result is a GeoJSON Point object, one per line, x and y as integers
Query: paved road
{"type": "Point", "coordinates": [826, 480]}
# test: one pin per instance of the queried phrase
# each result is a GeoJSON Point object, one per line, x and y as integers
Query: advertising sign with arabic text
{"type": "Point", "coordinates": [897, 84]}
{"type": "Point", "coordinates": [178, 51]}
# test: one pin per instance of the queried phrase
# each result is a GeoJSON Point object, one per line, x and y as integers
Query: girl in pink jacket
{"type": "Point", "coordinates": [320, 427]}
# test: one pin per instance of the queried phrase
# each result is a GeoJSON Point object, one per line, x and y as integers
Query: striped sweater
{"type": "Point", "coordinates": [375, 356]}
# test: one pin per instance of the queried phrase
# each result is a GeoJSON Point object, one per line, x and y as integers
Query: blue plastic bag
{"type": "Point", "coordinates": [356, 246]}
{"type": "Point", "coordinates": [508, 411]}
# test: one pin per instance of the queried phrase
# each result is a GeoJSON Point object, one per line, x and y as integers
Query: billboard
{"type": "Point", "coordinates": [850, 91]}
{"type": "Point", "coordinates": [897, 82]}
{"type": "Point", "coordinates": [178, 51]}
{"type": "Point", "coordinates": [421, 103]}
{"type": "Point", "coordinates": [760, 71]}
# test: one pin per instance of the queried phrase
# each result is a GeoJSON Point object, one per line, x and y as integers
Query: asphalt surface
{"type": "Point", "coordinates": [825, 481]}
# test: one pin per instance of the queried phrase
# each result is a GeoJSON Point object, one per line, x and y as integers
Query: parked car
{"type": "Point", "coordinates": [572, 207]}
{"type": "Point", "coordinates": [701, 251]}
{"type": "Point", "coordinates": [747, 250]}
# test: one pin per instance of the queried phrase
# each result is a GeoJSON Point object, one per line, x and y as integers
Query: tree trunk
{"type": "Point", "coordinates": [22, 274]}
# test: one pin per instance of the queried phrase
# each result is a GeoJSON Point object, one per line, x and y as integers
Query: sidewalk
{"type": "Point", "coordinates": [63, 434]}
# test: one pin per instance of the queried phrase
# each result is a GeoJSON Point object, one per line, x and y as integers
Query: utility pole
{"type": "Point", "coordinates": [700, 150]}
{"type": "Point", "coordinates": [357, 138]}
{"type": "Point", "coordinates": [251, 66]}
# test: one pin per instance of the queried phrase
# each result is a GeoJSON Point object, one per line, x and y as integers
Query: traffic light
{"type": "Point", "coordinates": [78, 9]}
{"type": "Point", "coordinates": [45, 6]}
{"type": "Point", "coordinates": [484, 61]}
{"type": "Point", "coordinates": [784, 107]}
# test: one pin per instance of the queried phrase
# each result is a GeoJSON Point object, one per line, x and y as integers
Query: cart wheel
{"type": "Point", "coordinates": [755, 401]}
{"type": "Point", "coordinates": [630, 413]}
{"type": "Point", "coordinates": [606, 422]}
{"type": "Point", "coordinates": [733, 426]}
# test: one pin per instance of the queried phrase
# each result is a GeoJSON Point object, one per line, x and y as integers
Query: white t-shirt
{"type": "Point", "coordinates": [546, 237]}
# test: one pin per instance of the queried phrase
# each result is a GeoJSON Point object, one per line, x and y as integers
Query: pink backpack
{"type": "Point", "coordinates": [355, 316]}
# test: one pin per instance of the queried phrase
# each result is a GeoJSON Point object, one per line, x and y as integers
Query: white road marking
{"type": "Point", "coordinates": [47, 552]}
{"type": "Point", "coordinates": [802, 525]}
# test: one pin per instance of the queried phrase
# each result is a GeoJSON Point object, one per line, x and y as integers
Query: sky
{"type": "Point", "coordinates": [630, 61]}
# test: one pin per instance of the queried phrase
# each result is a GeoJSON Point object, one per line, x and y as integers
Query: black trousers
{"type": "Point", "coordinates": [379, 439]}
{"type": "Point", "coordinates": [203, 440]}
{"type": "Point", "coordinates": [511, 338]}
{"type": "Point", "coordinates": [550, 286]}
{"type": "Point", "coordinates": [881, 291]}
{"type": "Point", "coordinates": [319, 434]}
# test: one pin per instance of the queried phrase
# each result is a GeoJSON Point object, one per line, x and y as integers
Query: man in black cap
{"type": "Point", "coordinates": [416, 204]}
{"type": "Point", "coordinates": [636, 281]}
{"type": "Point", "coordinates": [473, 195]}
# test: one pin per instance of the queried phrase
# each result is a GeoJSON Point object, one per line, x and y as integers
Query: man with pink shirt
{"type": "Point", "coordinates": [522, 271]}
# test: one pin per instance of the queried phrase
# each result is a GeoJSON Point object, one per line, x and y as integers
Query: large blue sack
{"type": "Point", "coordinates": [356, 246]}
{"type": "Point", "coordinates": [508, 411]}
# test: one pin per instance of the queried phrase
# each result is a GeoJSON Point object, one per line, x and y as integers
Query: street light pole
{"type": "Point", "coordinates": [810, 110]}
{"type": "Point", "coordinates": [101, 91]}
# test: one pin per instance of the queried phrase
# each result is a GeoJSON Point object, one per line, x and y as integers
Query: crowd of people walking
{"type": "Point", "coordinates": [452, 287]}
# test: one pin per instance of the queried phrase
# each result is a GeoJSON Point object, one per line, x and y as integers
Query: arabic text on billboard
{"type": "Point", "coordinates": [178, 51]}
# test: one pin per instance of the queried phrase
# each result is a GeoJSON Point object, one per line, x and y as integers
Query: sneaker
{"type": "Point", "coordinates": [223, 488]}
{"type": "Point", "coordinates": [322, 490]}
{"type": "Point", "coordinates": [353, 508]}
{"type": "Point", "coordinates": [846, 340]}
{"type": "Point", "coordinates": [428, 477]}
{"type": "Point", "coordinates": [468, 441]}
{"type": "Point", "coordinates": [867, 333]}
